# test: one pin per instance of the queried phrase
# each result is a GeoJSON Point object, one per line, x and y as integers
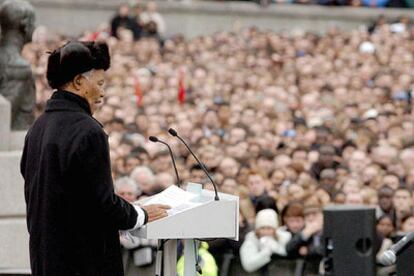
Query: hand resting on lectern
{"type": "Point", "coordinates": [156, 211]}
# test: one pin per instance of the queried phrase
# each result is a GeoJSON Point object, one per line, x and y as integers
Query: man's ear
{"type": "Point", "coordinates": [78, 82]}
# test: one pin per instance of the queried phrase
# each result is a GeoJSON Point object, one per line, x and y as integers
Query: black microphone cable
{"type": "Point", "coordinates": [175, 134]}
{"type": "Point", "coordinates": [156, 140]}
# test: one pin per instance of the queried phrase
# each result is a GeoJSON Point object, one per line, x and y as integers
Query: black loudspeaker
{"type": "Point", "coordinates": [349, 236]}
{"type": "Point", "coordinates": [405, 263]}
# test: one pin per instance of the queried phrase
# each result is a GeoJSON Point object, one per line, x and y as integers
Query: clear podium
{"type": "Point", "coordinates": [208, 220]}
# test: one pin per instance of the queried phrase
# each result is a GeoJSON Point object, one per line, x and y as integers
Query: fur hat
{"type": "Point", "coordinates": [266, 217]}
{"type": "Point", "coordinates": [75, 58]}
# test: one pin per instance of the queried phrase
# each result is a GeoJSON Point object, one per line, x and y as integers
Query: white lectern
{"type": "Point", "coordinates": [210, 219]}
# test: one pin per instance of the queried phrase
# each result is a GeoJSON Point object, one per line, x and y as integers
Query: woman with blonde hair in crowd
{"type": "Point", "coordinates": [370, 196]}
{"type": "Point", "coordinates": [351, 185]}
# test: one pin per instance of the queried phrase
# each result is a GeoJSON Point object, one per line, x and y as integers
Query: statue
{"type": "Point", "coordinates": [16, 79]}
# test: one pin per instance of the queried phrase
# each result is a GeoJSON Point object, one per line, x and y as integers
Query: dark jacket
{"type": "Point", "coordinates": [315, 252]}
{"type": "Point", "coordinates": [127, 23]}
{"type": "Point", "coordinates": [73, 215]}
{"type": "Point", "coordinates": [226, 252]}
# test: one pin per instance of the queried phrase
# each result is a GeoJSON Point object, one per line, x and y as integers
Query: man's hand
{"type": "Point", "coordinates": [312, 228]}
{"type": "Point", "coordinates": [303, 251]}
{"type": "Point", "coordinates": [156, 211]}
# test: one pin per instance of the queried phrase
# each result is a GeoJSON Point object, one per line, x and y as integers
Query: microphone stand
{"type": "Point", "coordinates": [156, 140]}
{"type": "Point", "coordinates": [160, 248]}
{"type": "Point", "coordinates": [175, 134]}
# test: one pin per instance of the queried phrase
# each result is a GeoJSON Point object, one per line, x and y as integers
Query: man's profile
{"type": "Point", "coordinates": [73, 215]}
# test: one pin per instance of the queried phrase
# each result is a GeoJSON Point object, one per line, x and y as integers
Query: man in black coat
{"type": "Point", "coordinates": [73, 215]}
{"type": "Point", "coordinates": [307, 244]}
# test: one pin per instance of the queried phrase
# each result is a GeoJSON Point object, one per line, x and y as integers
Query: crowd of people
{"type": "Point", "coordinates": [351, 3]}
{"type": "Point", "coordinates": [140, 22]}
{"type": "Point", "coordinates": [289, 122]}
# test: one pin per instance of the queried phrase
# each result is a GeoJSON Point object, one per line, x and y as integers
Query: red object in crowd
{"type": "Point", "coordinates": [181, 89]}
{"type": "Point", "coordinates": [95, 35]}
{"type": "Point", "coordinates": [138, 92]}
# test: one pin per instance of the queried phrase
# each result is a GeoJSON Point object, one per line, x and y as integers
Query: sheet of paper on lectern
{"type": "Point", "coordinates": [178, 199]}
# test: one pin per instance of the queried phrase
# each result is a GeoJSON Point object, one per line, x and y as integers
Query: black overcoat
{"type": "Point", "coordinates": [73, 215]}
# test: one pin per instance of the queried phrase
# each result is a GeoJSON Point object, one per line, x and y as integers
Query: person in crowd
{"type": "Point", "coordinates": [328, 182]}
{"type": "Point", "coordinates": [267, 240]}
{"type": "Point", "coordinates": [137, 22]}
{"type": "Point", "coordinates": [162, 162]}
{"type": "Point", "coordinates": [122, 20]}
{"type": "Point", "coordinates": [383, 242]}
{"type": "Point", "coordinates": [126, 188]}
{"type": "Point", "coordinates": [265, 162]}
{"type": "Point", "coordinates": [385, 226]}
{"type": "Point", "coordinates": [164, 180]}
{"type": "Point", "coordinates": [138, 256]}
{"type": "Point", "coordinates": [197, 174]}
{"type": "Point", "coordinates": [229, 167]}
{"type": "Point", "coordinates": [354, 199]}
{"type": "Point", "coordinates": [152, 20]}
{"type": "Point", "coordinates": [307, 244]}
{"type": "Point", "coordinates": [403, 204]}
{"type": "Point", "coordinates": [351, 185]}
{"type": "Point", "coordinates": [229, 186]}
{"type": "Point", "coordinates": [407, 223]}
{"type": "Point", "coordinates": [206, 262]}
{"type": "Point", "coordinates": [266, 202]}
{"type": "Point", "coordinates": [385, 202]}
{"type": "Point", "coordinates": [326, 160]}
{"type": "Point", "coordinates": [256, 185]}
{"type": "Point", "coordinates": [293, 218]}
{"type": "Point", "coordinates": [391, 180]}
{"type": "Point", "coordinates": [144, 179]}
{"type": "Point", "coordinates": [131, 162]}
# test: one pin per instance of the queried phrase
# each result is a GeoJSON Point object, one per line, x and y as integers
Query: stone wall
{"type": "Point", "coordinates": [194, 18]}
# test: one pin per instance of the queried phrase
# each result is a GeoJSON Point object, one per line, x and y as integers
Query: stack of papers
{"type": "Point", "coordinates": [178, 199]}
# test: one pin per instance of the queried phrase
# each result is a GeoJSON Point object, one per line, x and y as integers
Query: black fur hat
{"type": "Point", "coordinates": [75, 58]}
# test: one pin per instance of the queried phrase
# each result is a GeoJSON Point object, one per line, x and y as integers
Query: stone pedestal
{"type": "Point", "coordinates": [11, 186]}
{"type": "Point", "coordinates": [14, 237]}
{"type": "Point", "coordinates": [5, 121]}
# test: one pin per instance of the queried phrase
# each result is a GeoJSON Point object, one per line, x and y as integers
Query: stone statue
{"type": "Point", "coordinates": [16, 79]}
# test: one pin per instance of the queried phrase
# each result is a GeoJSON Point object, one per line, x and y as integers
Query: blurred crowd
{"type": "Point", "coordinates": [351, 3]}
{"type": "Point", "coordinates": [289, 122]}
{"type": "Point", "coordinates": [140, 22]}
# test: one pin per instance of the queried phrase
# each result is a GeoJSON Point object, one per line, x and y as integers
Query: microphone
{"type": "Point", "coordinates": [390, 256]}
{"type": "Point", "coordinates": [156, 140]}
{"type": "Point", "coordinates": [175, 134]}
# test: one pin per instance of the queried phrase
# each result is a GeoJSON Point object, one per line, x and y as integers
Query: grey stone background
{"type": "Point", "coordinates": [14, 253]}
{"type": "Point", "coordinates": [194, 18]}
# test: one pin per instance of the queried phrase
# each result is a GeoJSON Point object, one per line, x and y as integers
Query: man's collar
{"type": "Point", "coordinates": [64, 100]}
